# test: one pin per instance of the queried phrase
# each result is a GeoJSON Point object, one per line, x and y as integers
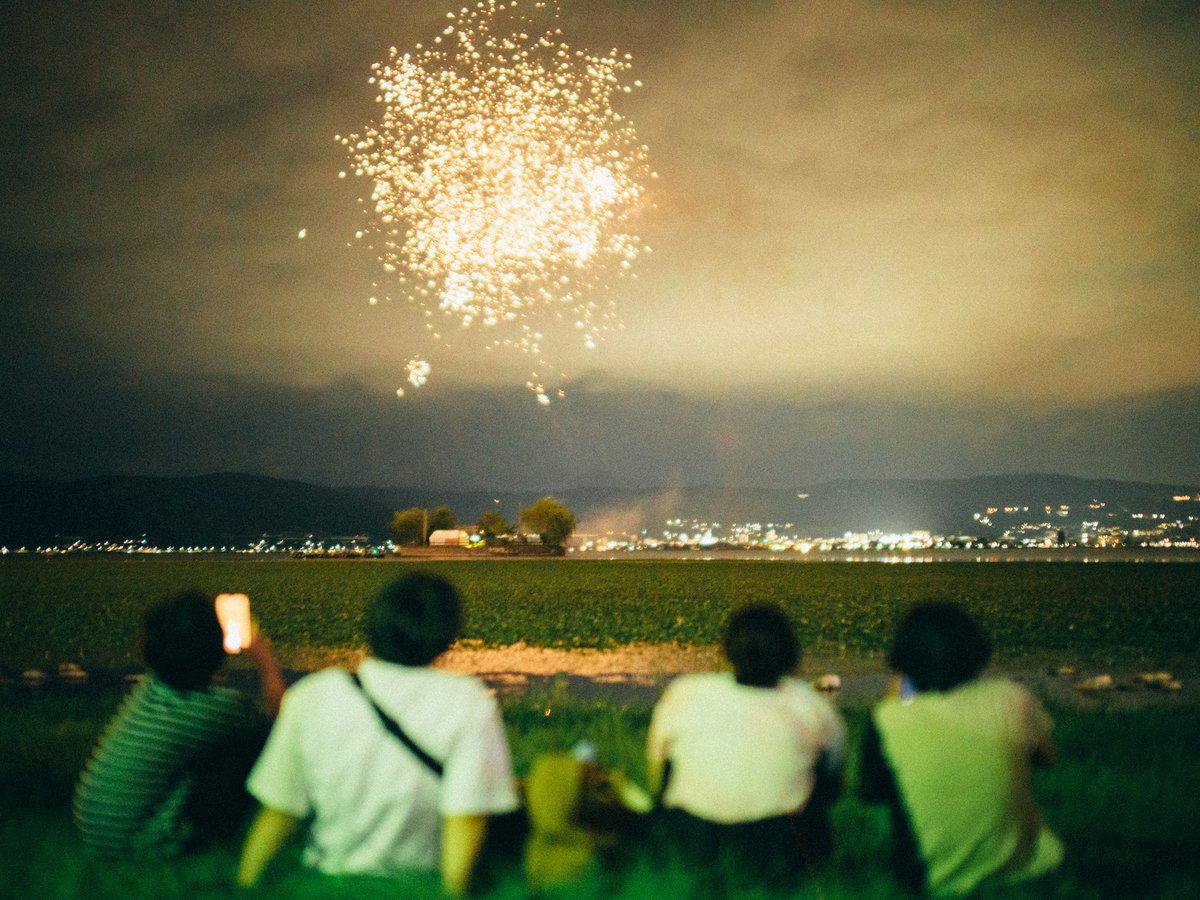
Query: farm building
{"type": "Point", "coordinates": [449, 537]}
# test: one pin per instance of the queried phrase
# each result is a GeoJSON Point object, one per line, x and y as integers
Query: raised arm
{"type": "Point", "coordinates": [269, 674]}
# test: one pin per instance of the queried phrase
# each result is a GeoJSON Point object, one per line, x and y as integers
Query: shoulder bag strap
{"type": "Point", "coordinates": [662, 784]}
{"type": "Point", "coordinates": [399, 733]}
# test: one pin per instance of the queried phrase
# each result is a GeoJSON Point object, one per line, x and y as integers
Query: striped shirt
{"type": "Point", "coordinates": [131, 794]}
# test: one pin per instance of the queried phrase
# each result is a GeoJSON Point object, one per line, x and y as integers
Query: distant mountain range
{"type": "Point", "coordinates": [234, 508]}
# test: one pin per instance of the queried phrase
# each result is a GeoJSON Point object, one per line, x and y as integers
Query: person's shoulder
{"type": "Point", "coordinates": [220, 697]}
{"type": "Point", "coordinates": [809, 700]}
{"type": "Point", "coordinates": [996, 700]}
{"type": "Point", "coordinates": [716, 680]}
{"type": "Point", "coordinates": [1017, 699]}
{"type": "Point", "coordinates": [797, 686]}
{"type": "Point", "coordinates": [153, 690]}
{"type": "Point", "coordinates": [314, 680]}
{"type": "Point", "coordinates": [454, 686]}
{"type": "Point", "coordinates": [997, 689]}
{"type": "Point", "coordinates": [704, 692]}
{"type": "Point", "coordinates": [155, 704]}
{"type": "Point", "coordinates": [800, 691]}
{"type": "Point", "coordinates": [331, 681]}
{"type": "Point", "coordinates": [460, 688]}
{"type": "Point", "coordinates": [451, 681]}
{"type": "Point", "coordinates": [227, 708]}
{"type": "Point", "coordinates": [317, 697]}
{"type": "Point", "coordinates": [698, 683]}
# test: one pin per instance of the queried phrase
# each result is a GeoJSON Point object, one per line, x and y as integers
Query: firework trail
{"type": "Point", "coordinates": [503, 183]}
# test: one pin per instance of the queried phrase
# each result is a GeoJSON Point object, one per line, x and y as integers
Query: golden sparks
{"type": "Point", "coordinates": [503, 183]}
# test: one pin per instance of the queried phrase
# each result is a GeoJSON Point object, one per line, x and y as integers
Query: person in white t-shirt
{"type": "Point", "coordinates": [379, 804]}
{"type": "Point", "coordinates": [747, 762]}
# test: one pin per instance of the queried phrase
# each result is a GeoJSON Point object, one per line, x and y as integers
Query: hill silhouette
{"type": "Point", "coordinates": [230, 508]}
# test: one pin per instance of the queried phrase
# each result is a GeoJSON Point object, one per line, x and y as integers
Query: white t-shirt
{"type": "Point", "coordinates": [742, 753]}
{"type": "Point", "coordinates": [376, 807]}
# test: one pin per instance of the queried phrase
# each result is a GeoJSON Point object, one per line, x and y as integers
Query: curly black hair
{"type": "Point", "coordinates": [760, 642]}
{"type": "Point", "coordinates": [939, 646]}
{"type": "Point", "coordinates": [414, 619]}
{"type": "Point", "coordinates": [181, 640]}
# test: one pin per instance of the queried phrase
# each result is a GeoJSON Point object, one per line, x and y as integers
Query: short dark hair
{"type": "Point", "coordinates": [760, 642]}
{"type": "Point", "coordinates": [939, 646]}
{"type": "Point", "coordinates": [181, 640]}
{"type": "Point", "coordinates": [414, 619]}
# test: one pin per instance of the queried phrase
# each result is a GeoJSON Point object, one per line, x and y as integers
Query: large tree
{"type": "Point", "coordinates": [552, 520]}
{"type": "Point", "coordinates": [408, 525]}
{"type": "Point", "coordinates": [493, 524]}
{"type": "Point", "coordinates": [440, 518]}
{"type": "Point", "coordinates": [415, 524]}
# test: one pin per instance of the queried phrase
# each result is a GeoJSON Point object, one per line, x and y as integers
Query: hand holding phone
{"type": "Point", "coordinates": [233, 612]}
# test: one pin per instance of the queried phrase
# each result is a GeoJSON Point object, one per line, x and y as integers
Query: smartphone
{"type": "Point", "coordinates": [907, 691]}
{"type": "Point", "coordinates": [233, 612]}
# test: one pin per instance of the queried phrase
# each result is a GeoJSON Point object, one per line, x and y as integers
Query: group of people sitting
{"type": "Point", "coordinates": [404, 766]}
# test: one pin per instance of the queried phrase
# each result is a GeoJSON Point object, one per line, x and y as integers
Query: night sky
{"type": "Point", "coordinates": [889, 240]}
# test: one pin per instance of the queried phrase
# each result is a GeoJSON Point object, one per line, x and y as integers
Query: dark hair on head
{"type": "Point", "coordinates": [181, 640]}
{"type": "Point", "coordinates": [939, 646]}
{"type": "Point", "coordinates": [760, 642]}
{"type": "Point", "coordinates": [414, 619]}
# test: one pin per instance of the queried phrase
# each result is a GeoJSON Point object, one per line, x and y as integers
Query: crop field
{"type": "Point", "coordinates": [88, 610]}
{"type": "Point", "coordinates": [1121, 795]}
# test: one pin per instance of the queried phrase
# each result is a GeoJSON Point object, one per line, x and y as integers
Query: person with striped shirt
{"type": "Point", "coordinates": [166, 772]}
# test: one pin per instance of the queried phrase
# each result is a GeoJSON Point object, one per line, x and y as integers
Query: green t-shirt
{"type": "Point", "coordinates": [961, 762]}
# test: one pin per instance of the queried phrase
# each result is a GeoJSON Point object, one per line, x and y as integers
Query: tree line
{"type": "Point", "coordinates": [551, 520]}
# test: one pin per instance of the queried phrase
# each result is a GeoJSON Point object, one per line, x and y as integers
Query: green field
{"type": "Point", "coordinates": [1122, 794]}
{"type": "Point", "coordinates": [87, 610]}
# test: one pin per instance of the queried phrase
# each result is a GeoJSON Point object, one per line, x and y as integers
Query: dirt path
{"type": "Point", "coordinates": [637, 673]}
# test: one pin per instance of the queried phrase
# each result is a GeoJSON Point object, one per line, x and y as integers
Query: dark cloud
{"type": "Point", "coordinates": [631, 436]}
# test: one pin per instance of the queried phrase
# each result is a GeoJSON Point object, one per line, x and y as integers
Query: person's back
{"type": "Point", "coordinates": [140, 791]}
{"type": "Point", "coordinates": [755, 751]}
{"type": "Point", "coordinates": [376, 808]}
{"type": "Point", "coordinates": [397, 768]}
{"type": "Point", "coordinates": [747, 762]}
{"type": "Point", "coordinates": [962, 761]}
{"type": "Point", "coordinates": [132, 793]}
{"type": "Point", "coordinates": [954, 761]}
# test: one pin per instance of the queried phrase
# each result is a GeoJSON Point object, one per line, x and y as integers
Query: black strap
{"type": "Point", "coordinates": [664, 780]}
{"type": "Point", "coordinates": [399, 733]}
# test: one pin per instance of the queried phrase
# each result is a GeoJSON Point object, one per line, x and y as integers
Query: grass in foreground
{"type": "Point", "coordinates": [1122, 796]}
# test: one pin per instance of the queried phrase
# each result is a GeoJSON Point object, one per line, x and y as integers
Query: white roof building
{"type": "Point", "coordinates": [449, 537]}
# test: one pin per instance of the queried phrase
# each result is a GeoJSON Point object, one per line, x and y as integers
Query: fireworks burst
{"type": "Point", "coordinates": [418, 372]}
{"type": "Point", "coordinates": [503, 182]}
